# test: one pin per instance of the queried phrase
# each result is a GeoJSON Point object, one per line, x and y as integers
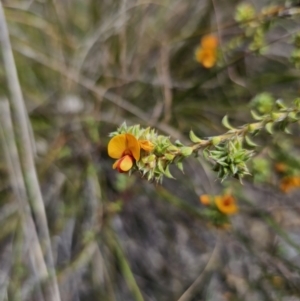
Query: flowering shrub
{"type": "Point", "coordinates": [151, 154]}
{"type": "Point", "coordinates": [143, 150]}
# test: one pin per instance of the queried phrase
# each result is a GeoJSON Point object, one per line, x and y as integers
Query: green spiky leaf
{"type": "Point", "coordinates": [168, 173]}
{"type": "Point", "coordinates": [194, 138]}
{"type": "Point", "coordinates": [250, 142]}
{"type": "Point", "coordinates": [226, 123]}
{"type": "Point", "coordinates": [269, 127]}
{"type": "Point", "coordinates": [256, 116]}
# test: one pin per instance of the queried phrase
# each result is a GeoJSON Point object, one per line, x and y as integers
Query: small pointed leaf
{"type": "Point", "coordinates": [168, 173]}
{"type": "Point", "coordinates": [269, 127]}
{"type": "Point", "coordinates": [179, 164]}
{"type": "Point", "coordinates": [160, 166]}
{"type": "Point", "coordinates": [250, 142]}
{"type": "Point", "coordinates": [256, 116]}
{"type": "Point", "coordinates": [205, 154]}
{"type": "Point", "coordinates": [178, 143]}
{"type": "Point", "coordinates": [280, 104]}
{"type": "Point", "coordinates": [226, 123]}
{"type": "Point", "coordinates": [194, 138]}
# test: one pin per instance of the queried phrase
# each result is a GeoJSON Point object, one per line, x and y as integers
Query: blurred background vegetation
{"type": "Point", "coordinates": [86, 66]}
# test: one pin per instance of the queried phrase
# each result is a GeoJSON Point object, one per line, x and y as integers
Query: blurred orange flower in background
{"type": "Point", "coordinates": [289, 183]}
{"type": "Point", "coordinates": [281, 167]}
{"type": "Point", "coordinates": [226, 204]}
{"type": "Point", "coordinates": [205, 199]}
{"type": "Point", "coordinates": [206, 53]}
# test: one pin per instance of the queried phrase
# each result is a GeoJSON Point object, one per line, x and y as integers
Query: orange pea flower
{"type": "Point", "coordinates": [209, 41]}
{"type": "Point", "coordinates": [281, 167]}
{"type": "Point", "coordinates": [289, 183]}
{"type": "Point", "coordinates": [126, 148]}
{"type": "Point", "coordinates": [205, 199]}
{"type": "Point", "coordinates": [226, 204]}
{"type": "Point", "coordinates": [206, 53]}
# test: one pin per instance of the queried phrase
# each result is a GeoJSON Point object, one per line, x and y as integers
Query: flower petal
{"type": "Point", "coordinates": [116, 164]}
{"type": "Point", "coordinates": [209, 62]}
{"type": "Point", "coordinates": [209, 41]}
{"type": "Point", "coordinates": [146, 145]}
{"type": "Point", "coordinates": [133, 146]}
{"type": "Point", "coordinates": [125, 163]}
{"type": "Point", "coordinates": [206, 57]}
{"type": "Point", "coordinates": [117, 145]}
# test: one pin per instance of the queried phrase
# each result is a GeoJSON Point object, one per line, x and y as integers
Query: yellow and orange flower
{"type": "Point", "coordinates": [125, 148]}
{"type": "Point", "coordinates": [226, 204]}
{"type": "Point", "coordinates": [206, 53]}
{"type": "Point", "coordinates": [289, 183]}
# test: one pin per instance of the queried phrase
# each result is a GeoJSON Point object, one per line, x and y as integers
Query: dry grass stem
{"type": "Point", "coordinates": [19, 188]}
{"type": "Point", "coordinates": [166, 81]}
{"type": "Point", "coordinates": [27, 153]}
